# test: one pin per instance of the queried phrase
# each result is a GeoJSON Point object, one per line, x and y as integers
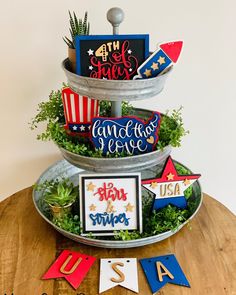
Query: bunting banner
{"type": "Point", "coordinates": [161, 270]}
{"type": "Point", "coordinates": [73, 266]}
{"type": "Point", "coordinates": [118, 271]}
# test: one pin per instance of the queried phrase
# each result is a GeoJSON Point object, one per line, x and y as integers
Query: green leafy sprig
{"type": "Point", "coordinates": [171, 129]}
{"type": "Point", "coordinates": [69, 223]}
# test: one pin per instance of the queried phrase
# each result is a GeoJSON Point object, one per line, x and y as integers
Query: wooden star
{"type": "Point", "coordinates": [92, 207]}
{"type": "Point", "coordinates": [171, 186]}
{"type": "Point", "coordinates": [129, 207]}
{"type": "Point", "coordinates": [148, 73]}
{"type": "Point", "coordinates": [186, 182]}
{"type": "Point", "coordinates": [154, 66]}
{"type": "Point", "coordinates": [153, 185]}
{"type": "Point", "coordinates": [161, 60]}
{"type": "Point", "coordinates": [170, 176]}
{"type": "Point", "coordinates": [91, 187]}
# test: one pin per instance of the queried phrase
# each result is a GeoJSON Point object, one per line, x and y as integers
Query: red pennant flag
{"type": "Point", "coordinates": [73, 266]}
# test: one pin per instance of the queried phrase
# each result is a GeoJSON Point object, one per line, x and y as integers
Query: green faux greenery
{"type": "Point", "coordinates": [51, 112]}
{"type": "Point", "coordinates": [171, 129]}
{"type": "Point", "coordinates": [77, 27]}
{"type": "Point", "coordinates": [69, 223]}
{"type": "Point", "coordinates": [58, 193]}
{"type": "Point", "coordinates": [168, 218]}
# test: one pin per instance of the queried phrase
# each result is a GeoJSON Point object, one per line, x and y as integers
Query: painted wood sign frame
{"type": "Point", "coordinates": [110, 202]}
{"type": "Point", "coordinates": [112, 57]}
{"type": "Point", "coordinates": [129, 134]}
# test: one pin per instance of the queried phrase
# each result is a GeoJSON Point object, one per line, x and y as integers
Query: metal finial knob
{"type": "Point", "coordinates": [115, 16]}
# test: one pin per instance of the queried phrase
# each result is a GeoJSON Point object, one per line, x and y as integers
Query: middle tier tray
{"type": "Point", "coordinates": [122, 164]}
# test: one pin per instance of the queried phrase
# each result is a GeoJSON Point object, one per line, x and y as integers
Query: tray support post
{"type": "Point", "coordinates": [115, 16]}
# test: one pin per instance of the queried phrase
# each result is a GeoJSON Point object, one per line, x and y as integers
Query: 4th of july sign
{"type": "Point", "coordinates": [112, 57]}
{"type": "Point", "coordinates": [129, 135]}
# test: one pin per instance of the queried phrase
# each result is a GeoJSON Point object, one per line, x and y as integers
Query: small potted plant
{"type": "Point", "coordinates": [60, 196]}
{"type": "Point", "coordinates": [77, 27]}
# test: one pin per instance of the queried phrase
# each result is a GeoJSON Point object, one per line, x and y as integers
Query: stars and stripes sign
{"type": "Point", "coordinates": [79, 111]}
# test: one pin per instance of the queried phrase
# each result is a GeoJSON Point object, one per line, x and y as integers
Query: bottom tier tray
{"type": "Point", "coordinates": [64, 169]}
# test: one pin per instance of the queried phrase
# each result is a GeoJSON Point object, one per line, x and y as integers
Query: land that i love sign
{"type": "Point", "coordinates": [109, 203]}
{"type": "Point", "coordinates": [129, 135]}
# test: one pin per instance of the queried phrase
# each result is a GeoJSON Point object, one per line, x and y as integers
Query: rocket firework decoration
{"type": "Point", "coordinates": [165, 56]}
{"type": "Point", "coordinates": [79, 111]}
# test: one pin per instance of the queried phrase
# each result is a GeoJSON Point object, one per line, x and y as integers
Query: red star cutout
{"type": "Point", "coordinates": [170, 174]}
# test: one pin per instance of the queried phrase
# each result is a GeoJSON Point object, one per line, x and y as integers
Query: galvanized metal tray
{"type": "Point", "coordinates": [133, 163]}
{"type": "Point", "coordinates": [115, 90]}
{"type": "Point", "coordinates": [64, 169]}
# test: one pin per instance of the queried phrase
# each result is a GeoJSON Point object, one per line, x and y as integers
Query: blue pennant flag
{"type": "Point", "coordinates": [161, 270]}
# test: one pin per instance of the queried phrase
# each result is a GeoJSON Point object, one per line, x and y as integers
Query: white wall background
{"type": "Point", "coordinates": [203, 82]}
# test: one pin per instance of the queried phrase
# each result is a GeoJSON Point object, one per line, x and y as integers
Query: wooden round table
{"type": "Point", "coordinates": [206, 253]}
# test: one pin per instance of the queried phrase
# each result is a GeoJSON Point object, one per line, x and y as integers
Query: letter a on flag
{"type": "Point", "coordinates": [162, 270]}
{"type": "Point", "coordinates": [118, 271]}
{"type": "Point", "coordinates": [73, 266]}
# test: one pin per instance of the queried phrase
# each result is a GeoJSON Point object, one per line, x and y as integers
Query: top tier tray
{"type": "Point", "coordinates": [115, 90]}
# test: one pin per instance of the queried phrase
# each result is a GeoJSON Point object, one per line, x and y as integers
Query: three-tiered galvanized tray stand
{"type": "Point", "coordinates": [149, 164]}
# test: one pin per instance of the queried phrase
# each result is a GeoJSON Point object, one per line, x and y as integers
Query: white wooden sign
{"type": "Point", "coordinates": [118, 271]}
{"type": "Point", "coordinates": [110, 202]}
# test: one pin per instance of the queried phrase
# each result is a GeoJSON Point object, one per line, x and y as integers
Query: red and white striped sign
{"type": "Point", "coordinates": [79, 111]}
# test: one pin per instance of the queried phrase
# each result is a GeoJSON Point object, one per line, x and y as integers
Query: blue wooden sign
{"type": "Point", "coordinates": [161, 270]}
{"type": "Point", "coordinates": [128, 135]}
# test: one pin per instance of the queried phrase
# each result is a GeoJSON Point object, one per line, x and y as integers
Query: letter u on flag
{"type": "Point", "coordinates": [118, 271]}
{"type": "Point", "coordinates": [73, 266]}
{"type": "Point", "coordinates": [161, 270]}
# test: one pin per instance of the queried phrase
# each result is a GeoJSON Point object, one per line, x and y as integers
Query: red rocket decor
{"type": "Point", "coordinates": [73, 266]}
{"type": "Point", "coordinates": [79, 111]}
{"type": "Point", "coordinates": [164, 57]}
{"type": "Point", "coordinates": [169, 189]}
{"type": "Point", "coordinates": [172, 49]}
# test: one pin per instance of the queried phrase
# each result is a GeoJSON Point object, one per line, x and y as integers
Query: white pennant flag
{"type": "Point", "coordinates": [118, 271]}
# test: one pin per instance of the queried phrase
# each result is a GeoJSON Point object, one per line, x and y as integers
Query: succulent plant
{"type": "Point", "coordinates": [77, 27]}
{"type": "Point", "coordinates": [61, 194]}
